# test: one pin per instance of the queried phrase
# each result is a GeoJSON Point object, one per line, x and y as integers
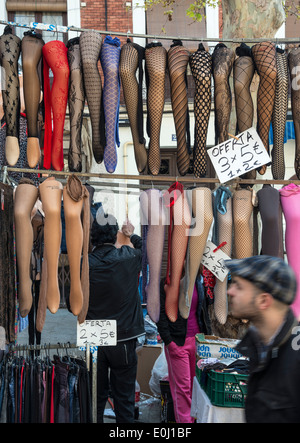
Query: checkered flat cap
{"type": "Point", "coordinates": [271, 274]}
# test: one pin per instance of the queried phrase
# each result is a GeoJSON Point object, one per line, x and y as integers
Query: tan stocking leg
{"type": "Point", "coordinates": [51, 194]}
{"type": "Point", "coordinates": [242, 211]}
{"type": "Point", "coordinates": [25, 198]}
{"type": "Point", "coordinates": [203, 216]}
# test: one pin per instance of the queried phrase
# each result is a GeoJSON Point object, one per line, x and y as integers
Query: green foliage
{"type": "Point", "coordinates": [195, 11]}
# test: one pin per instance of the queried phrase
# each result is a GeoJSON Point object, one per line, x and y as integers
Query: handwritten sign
{"type": "Point", "coordinates": [97, 333]}
{"type": "Point", "coordinates": [238, 156]}
{"type": "Point", "coordinates": [214, 261]}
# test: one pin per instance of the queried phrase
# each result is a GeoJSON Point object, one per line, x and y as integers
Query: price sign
{"type": "Point", "coordinates": [214, 261]}
{"type": "Point", "coordinates": [238, 156]}
{"type": "Point", "coordinates": [97, 333]}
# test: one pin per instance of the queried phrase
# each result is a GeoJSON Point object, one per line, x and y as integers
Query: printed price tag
{"type": "Point", "coordinates": [214, 261]}
{"type": "Point", "coordinates": [238, 156]}
{"type": "Point", "coordinates": [97, 333]}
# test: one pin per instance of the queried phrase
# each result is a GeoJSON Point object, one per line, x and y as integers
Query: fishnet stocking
{"type": "Point", "coordinates": [90, 46]}
{"type": "Point", "coordinates": [178, 58]}
{"type": "Point", "coordinates": [294, 62]}
{"type": "Point", "coordinates": [203, 217]}
{"type": "Point", "coordinates": [10, 46]}
{"type": "Point", "coordinates": [110, 59]}
{"type": "Point", "coordinates": [201, 67]}
{"type": "Point", "coordinates": [264, 56]}
{"type": "Point", "coordinates": [76, 104]}
{"type": "Point", "coordinates": [130, 61]}
{"type": "Point", "coordinates": [156, 62]}
{"type": "Point", "coordinates": [279, 115]}
{"type": "Point", "coordinates": [222, 62]}
{"type": "Point", "coordinates": [178, 236]}
{"type": "Point", "coordinates": [154, 214]}
{"type": "Point", "coordinates": [242, 212]}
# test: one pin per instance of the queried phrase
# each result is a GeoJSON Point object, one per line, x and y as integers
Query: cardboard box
{"type": "Point", "coordinates": [210, 346]}
{"type": "Point", "coordinates": [147, 355]}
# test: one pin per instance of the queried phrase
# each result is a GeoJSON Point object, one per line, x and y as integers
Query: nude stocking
{"type": "Point", "coordinates": [131, 60]}
{"type": "Point", "coordinates": [201, 223]}
{"type": "Point", "coordinates": [55, 57]}
{"type": "Point", "coordinates": [279, 115]}
{"type": "Point", "coordinates": [110, 59]}
{"type": "Point", "coordinates": [154, 216]}
{"type": "Point", "coordinates": [178, 58]}
{"type": "Point", "coordinates": [243, 72]}
{"type": "Point", "coordinates": [294, 62]}
{"type": "Point", "coordinates": [10, 46]}
{"type": "Point", "coordinates": [201, 67]}
{"type": "Point", "coordinates": [242, 211]}
{"type": "Point", "coordinates": [25, 197]}
{"type": "Point", "coordinates": [76, 99]}
{"type": "Point", "coordinates": [32, 45]}
{"type": "Point", "coordinates": [156, 62]}
{"type": "Point", "coordinates": [178, 236]}
{"type": "Point", "coordinates": [222, 62]}
{"type": "Point", "coordinates": [264, 55]}
{"type": "Point", "coordinates": [90, 46]}
{"type": "Point", "coordinates": [51, 194]}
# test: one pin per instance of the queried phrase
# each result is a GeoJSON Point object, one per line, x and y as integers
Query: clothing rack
{"type": "Point", "coordinates": [65, 29]}
{"type": "Point", "coordinates": [66, 346]}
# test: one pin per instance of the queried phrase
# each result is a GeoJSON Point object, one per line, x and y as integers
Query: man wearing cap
{"type": "Point", "coordinates": [262, 291]}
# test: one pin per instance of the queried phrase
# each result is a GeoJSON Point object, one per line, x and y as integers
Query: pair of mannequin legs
{"type": "Point", "coordinates": [50, 193]}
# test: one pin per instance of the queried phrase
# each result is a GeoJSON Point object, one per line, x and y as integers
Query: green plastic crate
{"type": "Point", "coordinates": [225, 389]}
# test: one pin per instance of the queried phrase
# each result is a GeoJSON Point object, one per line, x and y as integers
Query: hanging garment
{"type": "Point", "coordinates": [243, 72]}
{"type": "Point", "coordinates": [10, 46]}
{"type": "Point", "coordinates": [32, 45]}
{"type": "Point", "coordinates": [294, 62]}
{"type": "Point", "coordinates": [90, 45]}
{"type": "Point", "coordinates": [156, 63]}
{"type": "Point", "coordinates": [130, 60]}
{"type": "Point", "coordinates": [178, 58]}
{"type": "Point", "coordinates": [56, 98]}
{"type": "Point", "coordinates": [201, 67]}
{"type": "Point", "coordinates": [264, 55]}
{"type": "Point", "coordinates": [290, 202]}
{"type": "Point", "coordinates": [76, 100]}
{"type": "Point", "coordinates": [279, 115]}
{"type": "Point", "coordinates": [110, 59]}
{"type": "Point", "coordinates": [222, 62]}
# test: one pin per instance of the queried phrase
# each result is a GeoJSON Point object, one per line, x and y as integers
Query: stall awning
{"type": "Point", "coordinates": [37, 6]}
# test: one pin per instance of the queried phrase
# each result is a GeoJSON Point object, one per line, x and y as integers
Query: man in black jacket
{"type": "Point", "coordinates": [263, 289]}
{"type": "Point", "coordinates": [114, 273]}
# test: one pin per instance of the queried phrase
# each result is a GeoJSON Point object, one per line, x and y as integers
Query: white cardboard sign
{"type": "Point", "coordinates": [214, 261]}
{"type": "Point", "coordinates": [238, 156]}
{"type": "Point", "coordinates": [97, 333]}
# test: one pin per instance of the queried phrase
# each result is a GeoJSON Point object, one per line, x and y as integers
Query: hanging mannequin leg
{"type": "Point", "coordinates": [154, 214]}
{"type": "Point", "coordinates": [178, 242]}
{"type": "Point", "coordinates": [178, 58]}
{"type": "Point", "coordinates": [222, 60]}
{"type": "Point", "coordinates": [264, 56]}
{"type": "Point", "coordinates": [203, 216]}
{"type": "Point", "coordinates": [31, 56]}
{"type": "Point", "coordinates": [242, 211]}
{"type": "Point", "coordinates": [25, 198]}
{"type": "Point", "coordinates": [90, 46]}
{"type": "Point", "coordinates": [51, 194]}
{"type": "Point", "coordinates": [129, 63]}
{"type": "Point", "coordinates": [156, 62]}
{"type": "Point", "coordinates": [74, 240]}
{"type": "Point", "coordinates": [76, 105]}
{"type": "Point", "coordinates": [10, 46]}
{"type": "Point", "coordinates": [201, 67]}
{"type": "Point", "coordinates": [294, 62]}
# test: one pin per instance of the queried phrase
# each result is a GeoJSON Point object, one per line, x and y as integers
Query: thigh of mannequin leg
{"type": "Point", "coordinates": [25, 198]}
{"type": "Point", "coordinates": [51, 192]}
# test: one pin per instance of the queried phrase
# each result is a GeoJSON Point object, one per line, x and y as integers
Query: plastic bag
{"type": "Point", "coordinates": [159, 372]}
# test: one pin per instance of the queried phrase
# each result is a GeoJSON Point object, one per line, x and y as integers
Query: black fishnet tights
{"type": "Point", "coordinates": [294, 61]}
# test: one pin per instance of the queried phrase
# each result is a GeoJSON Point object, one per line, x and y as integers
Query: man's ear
{"type": "Point", "coordinates": [265, 300]}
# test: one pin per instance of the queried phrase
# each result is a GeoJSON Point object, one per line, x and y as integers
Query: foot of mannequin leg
{"type": "Point", "coordinates": [33, 151]}
{"type": "Point", "coordinates": [12, 150]}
